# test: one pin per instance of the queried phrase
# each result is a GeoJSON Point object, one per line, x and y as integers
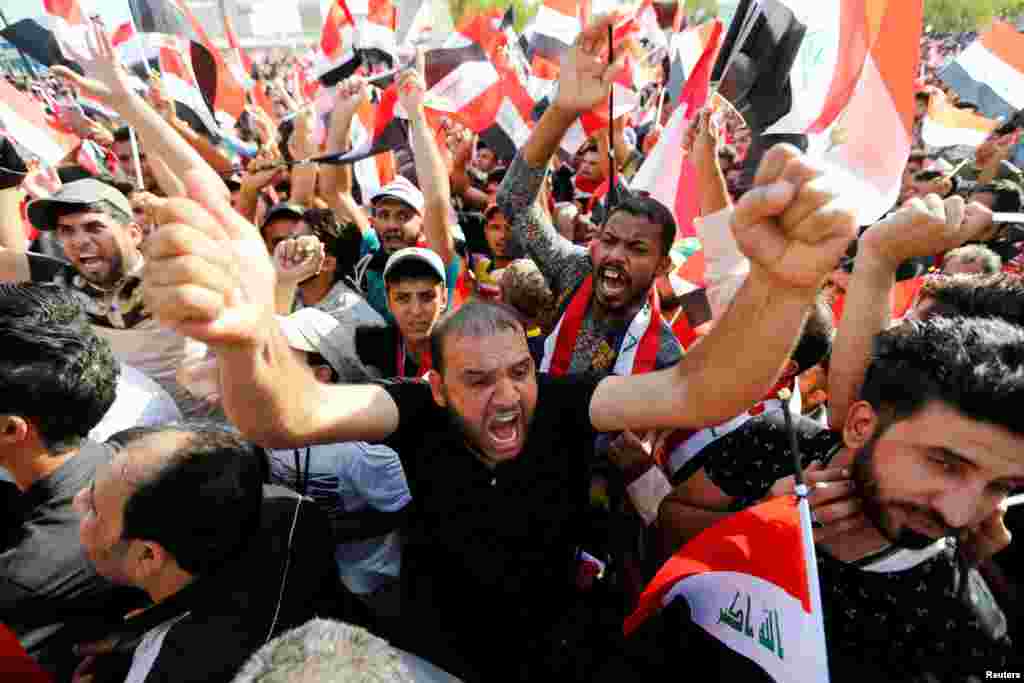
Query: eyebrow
{"type": "Point", "coordinates": [483, 373]}
{"type": "Point", "coordinates": [86, 225]}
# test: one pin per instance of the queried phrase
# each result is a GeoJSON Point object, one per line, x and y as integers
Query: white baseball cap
{"type": "Point", "coordinates": [428, 256]}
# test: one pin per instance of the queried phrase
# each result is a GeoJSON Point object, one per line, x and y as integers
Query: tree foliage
{"type": "Point", "coordinates": [968, 15]}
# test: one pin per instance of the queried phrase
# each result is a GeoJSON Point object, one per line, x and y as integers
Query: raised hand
{"type": "Point", "coordinates": [298, 259]}
{"type": "Point", "coordinates": [923, 227]}
{"type": "Point", "coordinates": [702, 138]}
{"type": "Point", "coordinates": [41, 181]}
{"type": "Point", "coordinates": [587, 72]}
{"type": "Point", "coordinates": [351, 93]}
{"type": "Point", "coordinates": [792, 225]}
{"type": "Point", "coordinates": [302, 144]}
{"type": "Point", "coordinates": [208, 275]}
{"type": "Point", "coordinates": [412, 87]}
{"type": "Point", "coordinates": [107, 78]}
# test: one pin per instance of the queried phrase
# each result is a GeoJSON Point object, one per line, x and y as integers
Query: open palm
{"type": "Point", "coordinates": [106, 78]}
{"type": "Point", "coordinates": [586, 74]}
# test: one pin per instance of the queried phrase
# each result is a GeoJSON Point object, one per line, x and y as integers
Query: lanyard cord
{"type": "Point", "coordinates": [301, 478]}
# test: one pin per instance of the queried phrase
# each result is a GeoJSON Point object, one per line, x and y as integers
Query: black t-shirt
{"type": "Point", "coordinates": [50, 595]}
{"type": "Point", "coordinates": [377, 347]}
{"type": "Point", "coordinates": [909, 623]}
{"type": "Point", "coordinates": [490, 555]}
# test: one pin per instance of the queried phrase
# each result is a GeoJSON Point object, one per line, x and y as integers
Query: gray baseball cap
{"type": "Point", "coordinates": [401, 190]}
{"type": "Point", "coordinates": [42, 212]}
{"type": "Point", "coordinates": [428, 256]}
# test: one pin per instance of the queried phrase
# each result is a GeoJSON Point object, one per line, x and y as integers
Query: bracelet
{"type": "Point", "coordinates": [647, 492]}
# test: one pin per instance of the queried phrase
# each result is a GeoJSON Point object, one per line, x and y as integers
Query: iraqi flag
{"type": "Point", "coordinates": [337, 58]}
{"type": "Point", "coordinates": [667, 175]}
{"type": "Point", "coordinates": [867, 146]}
{"type": "Point", "coordinates": [238, 59]}
{"type": "Point", "coordinates": [374, 172]}
{"type": "Point", "coordinates": [376, 23]}
{"type": "Point", "coordinates": [25, 123]}
{"type": "Point", "coordinates": [70, 27]}
{"type": "Point", "coordinates": [174, 17]}
{"type": "Point", "coordinates": [757, 54]}
{"type": "Point", "coordinates": [829, 61]}
{"type": "Point", "coordinates": [947, 126]}
{"type": "Point", "coordinates": [990, 72]}
{"type": "Point", "coordinates": [553, 30]}
{"type": "Point", "coordinates": [686, 50]}
{"type": "Point", "coordinates": [390, 132]}
{"type": "Point", "coordinates": [751, 582]}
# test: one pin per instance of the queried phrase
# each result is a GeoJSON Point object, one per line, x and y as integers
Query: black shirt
{"type": "Point", "coordinates": [910, 623]}
{"type": "Point", "coordinates": [377, 347]}
{"type": "Point", "coordinates": [490, 555]}
{"type": "Point", "coordinates": [50, 595]}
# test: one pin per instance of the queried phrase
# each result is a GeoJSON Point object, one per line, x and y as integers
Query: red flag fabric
{"type": "Point", "coordinates": [68, 10]}
{"type": "Point", "coordinates": [669, 177]}
{"type": "Point", "coordinates": [748, 581]}
{"type": "Point", "coordinates": [15, 663]}
{"type": "Point", "coordinates": [123, 33]}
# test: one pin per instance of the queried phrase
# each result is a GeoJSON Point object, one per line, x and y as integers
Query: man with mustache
{"type": "Point", "coordinates": [497, 456]}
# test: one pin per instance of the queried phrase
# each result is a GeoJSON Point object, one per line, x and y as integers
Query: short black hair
{"type": "Point", "coordinates": [816, 339]}
{"type": "Point", "coordinates": [123, 134]}
{"type": "Point", "coordinates": [645, 206]}
{"type": "Point", "coordinates": [212, 479]}
{"type": "Point", "coordinates": [54, 369]}
{"type": "Point", "coordinates": [1000, 295]}
{"type": "Point", "coordinates": [475, 318]}
{"type": "Point", "coordinates": [411, 269]}
{"type": "Point", "coordinates": [1006, 192]}
{"type": "Point", "coordinates": [973, 365]}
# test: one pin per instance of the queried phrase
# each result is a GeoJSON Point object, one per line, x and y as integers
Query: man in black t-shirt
{"type": "Point", "coordinates": [59, 380]}
{"type": "Point", "coordinates": [482, 438]}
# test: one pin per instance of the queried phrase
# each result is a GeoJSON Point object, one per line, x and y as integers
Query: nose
{"type": "Point", "coordinates": [506, 393]}
{"type": "Point", "coordinates": [960, 506]}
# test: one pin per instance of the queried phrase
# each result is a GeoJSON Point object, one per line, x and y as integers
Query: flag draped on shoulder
{"type": "Point", "coordinates": [990, 72]}
{"type": "Point", "coordinates": [667, 175]}
{"type": "Point", "coordinates": [751, 582]}
{"type": "Point", "coordinates": [947, 126]}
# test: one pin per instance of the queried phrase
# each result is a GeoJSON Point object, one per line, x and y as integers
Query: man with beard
{"type": "Point", "coordinates": [496, 456]}
{"type": "Point", "coordinates": [93, 222]}
{"type": "Point", "coordinates": [908, 497]}
{"type": "Point", "coordinates": [610, 315]}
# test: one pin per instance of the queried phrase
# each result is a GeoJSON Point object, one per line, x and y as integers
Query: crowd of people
{"type": "Point", "coordinates": [261, 424]}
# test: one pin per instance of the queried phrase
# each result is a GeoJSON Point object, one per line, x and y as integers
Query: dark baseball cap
{"type": "Point", "coordinates": [284, 209]}
{"type": "Point", "coordinates": [43, 212]}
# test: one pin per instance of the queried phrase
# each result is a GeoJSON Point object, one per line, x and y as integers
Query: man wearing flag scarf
{"type": "Point", "coordinates": [610, 314]}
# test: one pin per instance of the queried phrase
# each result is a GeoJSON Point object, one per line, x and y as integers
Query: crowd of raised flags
{"type": "Point", "coordinates": [846, 77]}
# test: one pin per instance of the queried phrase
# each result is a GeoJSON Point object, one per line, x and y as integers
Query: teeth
{"type": "Point", "coordinates": [506, 417]}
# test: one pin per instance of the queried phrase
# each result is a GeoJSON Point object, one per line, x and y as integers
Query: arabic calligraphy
{"type": "Point", "coordinates": [769, 633]}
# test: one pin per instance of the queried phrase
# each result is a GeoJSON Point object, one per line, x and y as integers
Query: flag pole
{"type": "Point", "coordinates": [807, 524]}
{"type": "Point", "coordinates": [613, 195]}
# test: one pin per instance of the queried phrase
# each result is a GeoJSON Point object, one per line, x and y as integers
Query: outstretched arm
{"type": "Point", "coordinates": [924, 227]}
{"type": "Point", "coordinates": [585, 80]}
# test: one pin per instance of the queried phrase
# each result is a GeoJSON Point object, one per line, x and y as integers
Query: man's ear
{"type": "Point", "coordinates": [149, 558]}
{"type": "Point", "coordinates": [330, 264]}
{"type": "Point", "coordinates": [861, 423]}
{"type": "Point", "coordinates": [437, 388]}
{"type": "Point", "coordinates": [664, 265]}
{"type": "Point", "coordinates": [13, 429]}
{"type": "Point", "coordinates": [790, 369]}
{"type": "Point", "coordinates": [134, 232]}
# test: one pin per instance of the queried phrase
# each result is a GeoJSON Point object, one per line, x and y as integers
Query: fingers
{"type": "Point", "coordinates": [774, 163]}
{"type": "Point", "coordinates": [217, 201]}
{"type": "Point", "coordinates": [189, 213]}
{"type": "Point", "coordinates": [755, 209]}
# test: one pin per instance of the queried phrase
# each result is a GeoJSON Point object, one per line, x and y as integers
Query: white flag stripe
{"type": "Point", "coordinates": [462, 85]}
{"type": "Point", "coordinates": [719, 604]}
{"type": "Point", "coordinates": [557, 25]}
{"type": "Point", "coordinates": [37, 140]}
{"type": "Point", "coordinates": [937, 135]}
{"type": "Point", "coordinates": [371, 34]}
{"type": "Point", "coordinates": [815, 63]}
{"type": "Point", "coordinates": [986, 67]}
{"type": "Point", "coordinates": [512, 122]}
{"type": "Point", "coordinates": [870, 161]}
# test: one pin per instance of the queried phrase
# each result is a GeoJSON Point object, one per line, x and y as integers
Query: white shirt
{"type": "Point", "coordinates": [138, 402]}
